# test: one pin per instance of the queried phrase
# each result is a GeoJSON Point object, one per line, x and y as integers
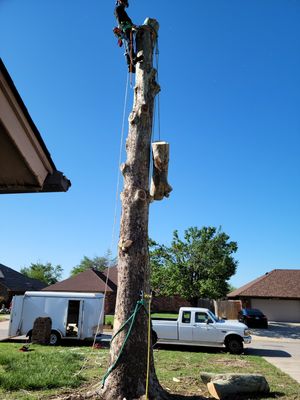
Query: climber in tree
{"type": "Point", "coordinates": [124, 33]}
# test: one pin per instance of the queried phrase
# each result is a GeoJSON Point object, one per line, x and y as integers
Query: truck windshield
{"type": "Point", "coordinates": [212, 316]}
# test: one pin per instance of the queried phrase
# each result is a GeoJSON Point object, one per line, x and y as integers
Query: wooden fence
{"type": "Point", "coordinates": [227, 308]}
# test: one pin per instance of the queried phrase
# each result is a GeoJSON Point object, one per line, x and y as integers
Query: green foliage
{"type": "Point", "coordinates": [109, 320]}
{"type": "Point", "coordinates": [231, 288]}
{"type": "Point", "coordinates": [98, 263]}
{"type": "Point", "coordinates": [47, 273]}
{"type": "Point", "coordinates": [197, 267]}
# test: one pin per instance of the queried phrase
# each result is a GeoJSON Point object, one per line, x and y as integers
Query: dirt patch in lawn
{"type": "Point", "coordinates": [239, 363]}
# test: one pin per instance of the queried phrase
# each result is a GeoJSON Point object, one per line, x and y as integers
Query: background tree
{"type": "Point", "coordinates": [231, 288]}
{"type": "Point", "coordinates": [197, 267]}
{"type": "Point", "coordinates": [47, 273]}
{"type": "Point", "coordinates": [98, 263]}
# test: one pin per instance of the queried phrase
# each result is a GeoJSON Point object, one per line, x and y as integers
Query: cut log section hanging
{"type": "Point", "coordinates": [160, 187]}
{"type": "Point", "coordinates": [224, 386]}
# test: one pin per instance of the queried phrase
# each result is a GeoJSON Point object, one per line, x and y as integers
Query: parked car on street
{"type": "Point", "coordinates": [253, 318]}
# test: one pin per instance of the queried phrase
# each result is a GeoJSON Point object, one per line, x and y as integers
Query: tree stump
{"type": "Point", "coordinates": [223, 386]}
{"type": "Point", "coordinates": [41, 330]}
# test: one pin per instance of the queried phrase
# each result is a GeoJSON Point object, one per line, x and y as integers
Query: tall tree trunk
{"type": "Point", "coordinates": [128, 378]}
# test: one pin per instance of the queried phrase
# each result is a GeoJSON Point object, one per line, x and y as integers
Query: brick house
{"type": "Point", "coordinates": [276, 293]}
{"type": "Point", "coordinates": [13, 283]}
{"type": "Point", "coordinates": [91, 281]}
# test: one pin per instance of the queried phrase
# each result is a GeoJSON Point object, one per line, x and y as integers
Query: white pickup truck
{"type": "Point", "coordinates": [200, 327]}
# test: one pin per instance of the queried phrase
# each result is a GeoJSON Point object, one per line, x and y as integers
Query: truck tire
{"type": "Point", "coordinates": [54, 338]}
{"type": "Point", "coordinates": [154, 337]}
{"type": "Point", "coordinates": [234, 345]}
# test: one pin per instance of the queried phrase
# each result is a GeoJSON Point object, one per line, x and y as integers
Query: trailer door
{"type": "Point", "coordinates": [81, 334]}
{"type": "Point", "coordinates": [74, 319]}
{"type": "Point", "coordinates": [16, 316]}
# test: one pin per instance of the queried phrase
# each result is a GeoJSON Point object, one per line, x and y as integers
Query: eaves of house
{"type": "Point", "coordinates": [25, 162]}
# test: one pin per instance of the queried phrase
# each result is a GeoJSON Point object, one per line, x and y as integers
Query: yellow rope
{"type": "Point", "coordinates": [149, 297]}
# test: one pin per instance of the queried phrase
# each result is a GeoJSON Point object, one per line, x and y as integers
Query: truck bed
{"type": "Point", "coordinates": [166, 328]}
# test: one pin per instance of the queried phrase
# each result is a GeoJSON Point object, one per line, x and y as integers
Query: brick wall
{"type": "Point", "coordinates": [162, 304]}
{"type": "Point", "coordinates": [110, 303]}
{"type": "Point", "coordinates": [169, 304]}
{"type": "Point", "coordinates": [3, 295]}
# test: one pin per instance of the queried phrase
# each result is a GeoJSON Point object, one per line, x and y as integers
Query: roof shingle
{"type": "Point", "coordinates": [279, 283]}
{"type": "Point", "coordinates": [90, 280]}
{"type": "Point", "coordinates": [16, 282]}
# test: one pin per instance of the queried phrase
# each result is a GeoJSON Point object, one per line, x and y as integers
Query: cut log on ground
{"type": "Point", "coordinates": [224, 386]}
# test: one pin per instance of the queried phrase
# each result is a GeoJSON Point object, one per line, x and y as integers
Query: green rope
{"type": "Point", "coordinates": [139, 305]}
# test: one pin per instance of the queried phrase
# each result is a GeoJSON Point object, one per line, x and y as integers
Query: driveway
{"type": "Point", "coordinates": [279, 345]}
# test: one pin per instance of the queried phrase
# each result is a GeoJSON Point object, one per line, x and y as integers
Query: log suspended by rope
{"type": "Point", "coordinates": [160, 187]}
{"type": "Point", "coordinates": [223, 386]}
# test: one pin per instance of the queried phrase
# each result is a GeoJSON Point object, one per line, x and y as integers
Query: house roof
{"type": "Point", "coordinates": [279, 283]}
{"type": "Point", "coordinates": [16, 282]}
{"type": "Point", "coordinates": [90, 280]}
{"type": "Point", "coordinates": [25, 162]}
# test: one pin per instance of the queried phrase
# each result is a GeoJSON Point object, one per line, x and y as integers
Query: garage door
{"type": "Point", "coordinates": [278, 310]}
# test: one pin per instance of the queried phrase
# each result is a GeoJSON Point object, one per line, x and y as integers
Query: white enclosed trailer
{"type": "Point", "coordinates": [73, 315]}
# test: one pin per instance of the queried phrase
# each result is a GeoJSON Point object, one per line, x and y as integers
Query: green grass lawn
{"type": "Point", "coordinates": [45, 371]}
{"type": "Point", "coordinates": [165, 315]}
{"type": "Point", "coordinates": [109, 320]}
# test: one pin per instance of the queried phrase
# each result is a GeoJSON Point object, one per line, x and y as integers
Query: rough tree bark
{"type": "Point", "coordinates": [128, 379]}
{"type": "Point", "coordinates": [160, 187]}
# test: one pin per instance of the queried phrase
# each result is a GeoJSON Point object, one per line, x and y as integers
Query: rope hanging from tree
{"type": "Point", "coordinates": [139, 305]}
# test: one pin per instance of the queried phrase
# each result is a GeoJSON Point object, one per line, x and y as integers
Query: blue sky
{"type": "Point", "coordinates": [229, 73]}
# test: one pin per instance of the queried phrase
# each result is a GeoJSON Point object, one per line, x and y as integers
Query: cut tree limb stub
{"type": "Point", "coordinates": [160, 187]}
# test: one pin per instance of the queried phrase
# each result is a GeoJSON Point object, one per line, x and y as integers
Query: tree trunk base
{"type": "Point", "coordinates": [156, 392]}
{"type": "Point", "coordinates": [95, 394]}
